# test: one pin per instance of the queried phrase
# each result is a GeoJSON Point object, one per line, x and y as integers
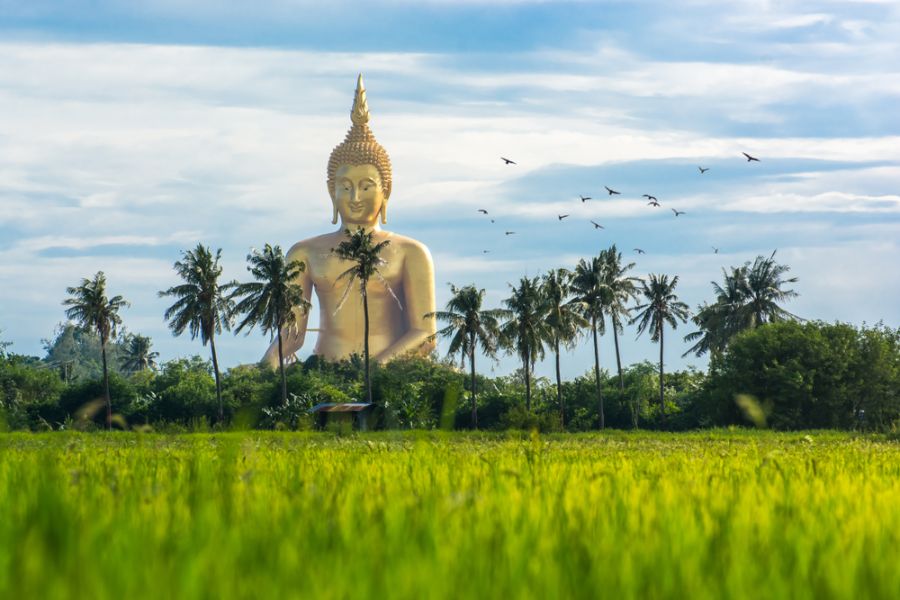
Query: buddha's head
{"type": "Point", "coordinates": [359, 170]}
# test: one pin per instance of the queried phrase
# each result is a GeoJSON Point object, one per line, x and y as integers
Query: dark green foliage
{"type": "Point", "coordinates": [805, 375]}
{"type": "Point", "coordinates": [810, 375]}
{"type": "Point", "coordinates": [185, 392]}
{"type": "Point", "coordinates": [75, 353]}
{"type": "Point", "coordinates": [82, 401]}
{"type": "Point", "coordinates": [29, 391]}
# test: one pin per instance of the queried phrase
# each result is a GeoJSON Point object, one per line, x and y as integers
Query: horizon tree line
{"type": "Point", "coordinates": [547, 313]}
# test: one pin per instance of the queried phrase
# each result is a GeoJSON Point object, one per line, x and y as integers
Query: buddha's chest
{"type": "Point", "coordinates": [329, 272]}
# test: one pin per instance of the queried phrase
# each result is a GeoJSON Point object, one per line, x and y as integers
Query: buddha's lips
{"type": "Point", "coordinates": [356, 206]}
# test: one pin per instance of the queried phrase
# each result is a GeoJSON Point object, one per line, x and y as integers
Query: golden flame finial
{"type": "Point", "coordinates": [360, 112]}
{"type": "Point", "coordinates": [360, 146]}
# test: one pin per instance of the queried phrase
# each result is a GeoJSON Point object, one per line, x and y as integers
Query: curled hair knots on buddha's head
{"type": "Point", "coordinates": [360, 146]}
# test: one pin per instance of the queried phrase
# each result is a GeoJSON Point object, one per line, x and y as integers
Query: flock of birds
{"type": "Point", "coordinates": [652, 201]}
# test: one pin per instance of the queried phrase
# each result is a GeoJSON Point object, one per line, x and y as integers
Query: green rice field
{"type": "Point", "coordinates": [448, 515]}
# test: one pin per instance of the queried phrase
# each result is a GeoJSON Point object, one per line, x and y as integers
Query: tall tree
{"type": "Point", "coordinates": [467, 327]}
{"type": "Point", "coordinates": [137, 355]}
{"type": "Point", "coordinates": [202, 307]}
{"type": "Point", "coordinates": [3, 346]}
{"type": "Point", "coordinates": [590, 287]}
{"type": "Point", "coordinates": [621, 291]}
{"type": "Point", "coordinates": [564, 321]}
{"type": "Point", "coordinates": [525, 329]}
{"type": "Point", "coordinates": [273, 300]}
{"type": "Point", "coordinates": [718, 322]}
{"type": "Point", "coordinates": [662, 306]}
{"type": "Point", "coordinates": [748, 297]}
{"type": "Point", "coordinates": [90, 308]}
{"type": "Point", "coordinates": [361, 250]}
{"type": "Point", "coordinates": [765, 280]}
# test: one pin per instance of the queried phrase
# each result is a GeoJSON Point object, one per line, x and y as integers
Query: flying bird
{"type": "Point", "coordinates": [653, 203]}
{"type": "Point", "coordinates": [597, 225]}
{"type": "Point", "coordinates": [749, 158]}
{"type": "Point", "coordinates": [583, 198]}
{"type": "Point", "coordinates": [507, 161]}
{"type": "Point", "coordinates": [482, 211]}
{"type": "Point", "coordinates": [510, 233]}
{"type": "Point", "coordinates": [678, 212]}
{"type": "Point", "coordinates": [715, 250]}
{"type": "Point", "coordinates": [649, 197]}
{"type": "Point", "coordinates": [702, 170]}
{"type": "Point", "coordinates": [610, 190]}
{"type": "Point", "coordinates": [561, 217]}
{"type": "Point", "coordinates": [485, 251]}
{"type": "Point", "coordinates": [492, 221]}
{"type": "Point", "coordinates": [639, 251]}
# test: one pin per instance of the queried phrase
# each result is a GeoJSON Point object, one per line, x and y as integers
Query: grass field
{"type": "Point", "coordinates": [619, 515]}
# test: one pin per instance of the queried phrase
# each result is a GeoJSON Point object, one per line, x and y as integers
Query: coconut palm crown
{"type": "Point", "coordinates": [564, 321]}
{"type": "Point", "coordinates": [525, 328]}
{"type": "Point", "coordinates": [273, 301]}
{"type": "Point", "coordinates": [593, 293]}
{"type": "Point", "coordinates": [661, 307]}
{"type": "Point", "coordinates": [202, 306]}
{"type": "Point", "coordinates": [468, 326]}
{"type": "Point", "coordinates": [92, 310]}
{"type": "Point", "coordinates": [365, 254]}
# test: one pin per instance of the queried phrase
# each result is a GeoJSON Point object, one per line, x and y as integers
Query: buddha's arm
{"type": "Point", "coordinates": [292, 337]}
{"type": "Point", "coordinates": [418, 300]}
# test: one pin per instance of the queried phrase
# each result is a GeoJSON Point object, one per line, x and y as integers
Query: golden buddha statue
{"type": "Point", "coordinates": [359, 182]}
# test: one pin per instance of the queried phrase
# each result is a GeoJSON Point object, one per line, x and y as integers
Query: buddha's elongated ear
{"type": "Point", "coordinates": [383, 212]}
{"type": "Point", "coordinates": [334, 215]}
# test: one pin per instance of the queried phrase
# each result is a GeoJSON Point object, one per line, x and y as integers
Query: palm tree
{"type": "Point", "coordinates": [92, 310]}
{"type": "Point", "coordinates": [662, 306]}
{"type": "Point", "coordinates": [718, 322]}
{"type": "Point", "coordinates": [468, 326]}
{"type": "Point", "coordinates": [590, 287]}
{"type": "Point", "coordinates": [138, 356]}
{"type": "Point", "coordinates": [747, 298]}
{"type": "Point", "coordinates": [764, 283]}
{"type": "Point", "coordinates": [564, 320]}
{"type": "Point", "coordinates": [366, 255]}
{"type": "Point", "coordinates": [525, 329]}
{"type": "Point", "coordinates": [621, 291]}
{"type": "Point", "coordinates": [273, 300]}
{"type": "Point", "coordinates": [202, 306]}
{"type": "Point", "coordinates": [709, 336]}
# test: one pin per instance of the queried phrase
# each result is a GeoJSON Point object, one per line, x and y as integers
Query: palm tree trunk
{"type": "Point", "coordinates": [281, 366]}
{"type": "Point", "coordinates": [366, 340]}
{"type": "Point", "coordinates": [472, 363]}
{"type": "Point", "coordinates": [559, 398]}
{"type": "Point", "coordinates": [597, 373]}
{"type": "Point", "coordinates": [215, 359]}
{"type": "Point", "coordinates": [106, 386]}
{"type": "Point", "coordinates": [618, 359]}
{"type": "Point", "coordinates": [662, 400]}
{"type": "Point", "coordinates": [525, 362]}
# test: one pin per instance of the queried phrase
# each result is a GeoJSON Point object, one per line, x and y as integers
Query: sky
{"type": "Point", "coordinates": [130, 132]}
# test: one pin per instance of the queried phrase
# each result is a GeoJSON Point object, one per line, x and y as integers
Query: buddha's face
{"type": "Point", "coordinates": [358, 194]}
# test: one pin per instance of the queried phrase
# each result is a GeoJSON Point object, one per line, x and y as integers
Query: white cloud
{"type": "Point", "coordinates": [152, 146]}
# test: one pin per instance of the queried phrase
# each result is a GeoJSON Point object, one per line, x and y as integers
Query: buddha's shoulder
{"type": "Point", "coordinates": [315, 245]}
{"type": "Point", "coordinates": [408, 244]}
